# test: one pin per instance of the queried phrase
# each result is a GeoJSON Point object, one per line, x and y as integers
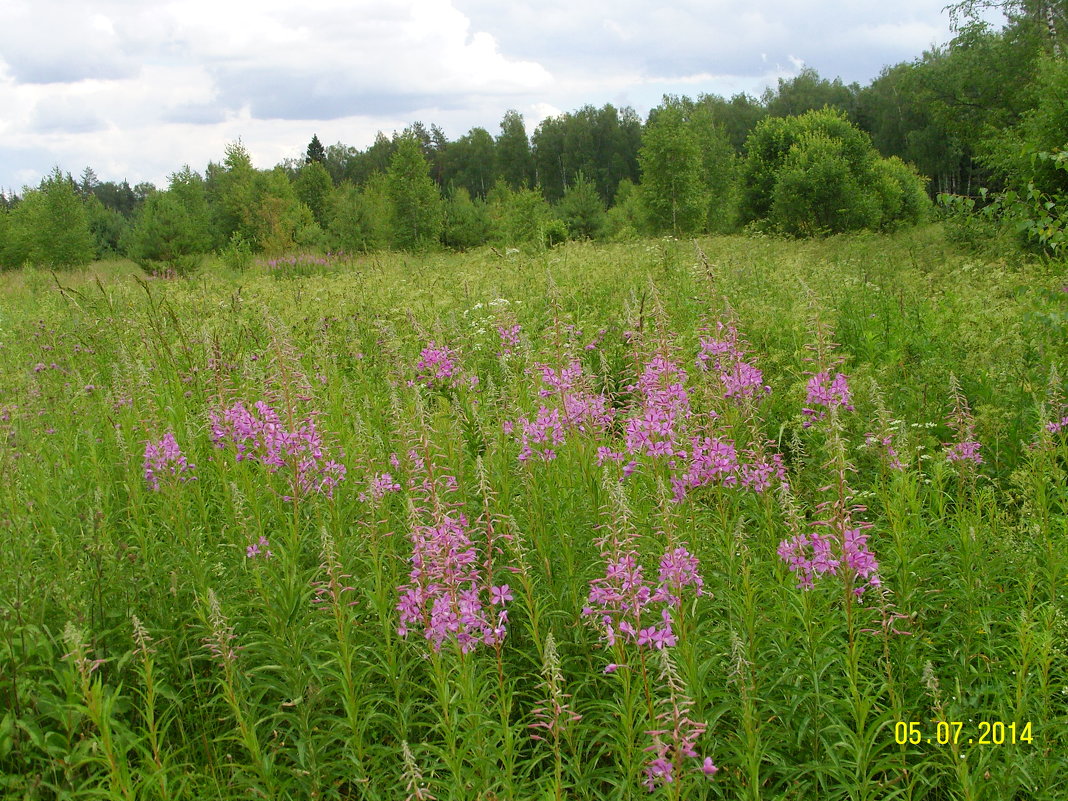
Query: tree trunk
{"type": "Point", "coordinates": [1051, 24]}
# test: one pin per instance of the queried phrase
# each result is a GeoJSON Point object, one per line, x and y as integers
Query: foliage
{"type": "Point", "coordinates": [313, 187]}
{"type": "Point", "coordinates": [358, 219]}
{"type": "Point", "coordinates": [415, 206]}
{"type": "Point", "coordinates": [582, 209]}
{"type": "Point", "coordinates": [199, 603]}
{"type": "Point", "coordinates": [818, 173]}
{"type": "Point", "coordinates": [471, 163]}
{"type": "Point", "coordinates": [165, 237]}
{"type": "Point", "coordinates": [107, 227]}
{"type": "Point", "coordinates": [515, 161]}
{"type": "Point", "coordinates": [672, 190]}
{"type": "Point", "coordinates": [316, 152]}
{"type": "Point", "coordinates": [467, 223]}
{"type": "Point", "coordinates": [524, 219]}
{"type": "Point", "coordinates": [49, 227]}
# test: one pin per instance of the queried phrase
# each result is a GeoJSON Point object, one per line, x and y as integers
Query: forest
{"type": "Point", "coordinates": [973, 130]}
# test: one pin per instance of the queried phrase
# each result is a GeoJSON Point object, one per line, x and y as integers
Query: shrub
{"type": "Point", "coordinates": [818, 173]}
{"type": "Point", "coordinates": [167, 236]}
{"type": "Point", "coordinates": [466, 222]}
{"type": "Point", "coordinates": [817, 191]}
{"type": "Point", "coordinates": [50, 226]}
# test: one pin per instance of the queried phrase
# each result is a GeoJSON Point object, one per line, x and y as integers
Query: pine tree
{"type": "Point", "coordinates": [316, 151]}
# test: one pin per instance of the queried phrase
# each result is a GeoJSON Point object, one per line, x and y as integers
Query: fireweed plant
{"type": "Point", "coordinates": [727, 567]}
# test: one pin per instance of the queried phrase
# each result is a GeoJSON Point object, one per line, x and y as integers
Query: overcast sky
{"type": "Point", "coordinates": [137, 88]}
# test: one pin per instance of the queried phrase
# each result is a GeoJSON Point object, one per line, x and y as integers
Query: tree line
{"type": "Point", "coordinates": [813, 155]}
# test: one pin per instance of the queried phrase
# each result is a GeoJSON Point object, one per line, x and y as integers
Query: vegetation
{"type": "Point", "coordinates": [317, 509]}
{"type": "Point", "coordinates": [392, 526]}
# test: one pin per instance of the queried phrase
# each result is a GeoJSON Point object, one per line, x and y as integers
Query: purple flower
{"type": "Point", "coordinates": [261, 436]}
{"type": "Point", "coordinates": [165, 458]}
{"type": "Point", "coordinates": [964, 452]}
{"type": "Point", "coordinates": [443, 595]}
{"type": "Point", "coordinates": [826, 392]}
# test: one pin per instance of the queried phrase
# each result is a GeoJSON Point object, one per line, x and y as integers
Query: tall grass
{"type": "Point", "coordinates": [502, 529]}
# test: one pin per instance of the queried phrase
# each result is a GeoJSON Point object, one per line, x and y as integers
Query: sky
{"type": "Point", "coordinates": [138, 88]}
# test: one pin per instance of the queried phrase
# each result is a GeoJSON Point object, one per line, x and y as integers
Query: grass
{"type": "Point", "coordinates": [144, 653]}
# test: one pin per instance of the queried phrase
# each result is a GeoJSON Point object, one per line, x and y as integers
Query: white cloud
{"type": "Point", "coordinates": [137, 87]}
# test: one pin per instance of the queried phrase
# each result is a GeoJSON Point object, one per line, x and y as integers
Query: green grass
{"type": "Point", "coordinates": [801, 691]}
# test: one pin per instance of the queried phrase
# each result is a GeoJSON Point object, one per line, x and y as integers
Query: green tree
{"type": "Point", "coordinates": [523, 218]}
{"type": "Point", "coordinates": [172, 231]}
{"type": "Point", "coordinates": [818, 173]}
{"type": "Point", "coordinates": [818, 189]}
{"type": "Point", "coordinates": [50, 225]}
{"type": "Point", "coordinates": [107, 228]}
{"type": "Point", "coordinates": [807, 91]}
{"type": "Point", "coordinates": [358, 217]}
{"type": "Point", "coordinates": [471, 163]}
{"type": "Point", "coordinates": [719, 166]}
{"type": "Point", "coordinates": [414, 199]}
{"type": "Point", "coordinates": [672, 188]}
{"type": "Point", "coordinates": [467, 223]}
{"type": "Point", "coordinates": [769, 145]}
{"type": "Point", "coordinates": [515, 161]}
{"type": "Point", "coordinates": [233, 188]}
{"type": "Point", "coordinates": [582, 209]}
{"type": "Point", "coordinates": [316, 152]}
{"type": "Point", "coordinates": [313, 187]}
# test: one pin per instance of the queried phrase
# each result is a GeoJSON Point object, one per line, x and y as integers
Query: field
{"type": "Point", "coordinates": [731, 519]}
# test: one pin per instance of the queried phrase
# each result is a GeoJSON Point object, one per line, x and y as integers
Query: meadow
{"type": "Point", "coordinates": [740, 518]}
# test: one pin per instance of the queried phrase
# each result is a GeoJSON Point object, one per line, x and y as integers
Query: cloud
{"type": "Point", "coordinates": [137, 87]}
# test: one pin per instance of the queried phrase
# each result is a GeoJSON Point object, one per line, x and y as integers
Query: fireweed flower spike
{"type": "Point", "coordinates": [725, 354]}
{"type": "Point", "coordinates": [675, 742]}
{"type": "Point", "coordinates": [622, 599]}
{"type": "Point", "coordinates": [261, 436]}
{"type": "Point", "coordinates": [164, 458]}
{"type": "Point", "coordinates": [569, 408]}
{"type": "Point", "coordinates": [966, 447]}
{"type": "Point", "coordinates": [824, 391]}
{"type": "Point", "coordinates": [443, 596]}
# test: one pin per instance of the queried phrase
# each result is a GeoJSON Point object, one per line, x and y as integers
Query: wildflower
{"type": "Point", "coordinates": [444, 591]}
{"type": "Point", "coordinates": [261, 436]}
{"type": "Point", "coordinates": [165, 458]}
{"type": "Point", "coordinates": [509, 338]}
{"type": "Point", "coordinates": [829, 393]}
{"type": "Point", "coordinates": [438, 368]}
{"type": "Point", "coordinates": [676, 742]}
{"type": "Point", "coordinates": [966, 447]}
{"type": "Point", "coordinates": [724, 353]}
{"type": "Point", "coordinates": [380, 485]}
{"type": "Point", "coordinates": [258, 548]}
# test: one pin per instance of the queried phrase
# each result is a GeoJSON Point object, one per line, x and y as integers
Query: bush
{"type": "Point", "coordinates": [358, 220]}
{"type": "Point", "coordinates": [466, 222]}
{"type": "Point", "coordinates": [167, 236]}
{"type": "Point", "coordinates": [818, 173]}
{"type": "Point", "coordinates": [816, 191]}
{"type": "Point", "coordinates": [582, 209]}
{"type": "Point", "coordinates": [237, 255]}
{"type": "Point", "coordinates": [902, 194]}
{"type": "Point", "coordinates": [49, 226]}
